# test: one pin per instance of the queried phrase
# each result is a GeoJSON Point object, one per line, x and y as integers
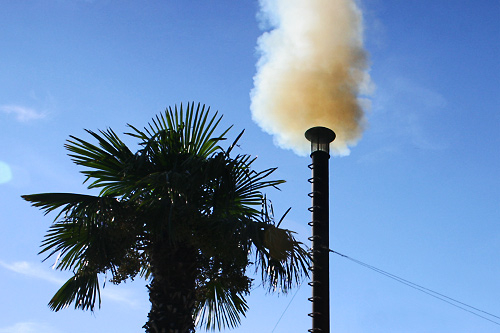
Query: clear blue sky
{"type": "Point", "coordinates": [419, 196]}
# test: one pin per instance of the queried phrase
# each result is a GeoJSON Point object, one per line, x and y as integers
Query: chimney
{"type": "Point", "coordinates": [320, 138]}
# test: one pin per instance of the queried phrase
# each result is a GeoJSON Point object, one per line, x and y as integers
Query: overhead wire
{"type": "Point", "coordinates": [425, 290]}
{"type": "Point", "coordinates": [290, 302]}
{"type": "Point", "coordinates": [463, 306]}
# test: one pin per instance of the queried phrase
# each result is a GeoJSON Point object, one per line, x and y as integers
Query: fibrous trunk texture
{"type": "Point", "coordinates": [172, 290]}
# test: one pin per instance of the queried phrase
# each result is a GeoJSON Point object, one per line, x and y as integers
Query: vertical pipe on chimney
{"type": "Point", "coordinates": [320, 138]}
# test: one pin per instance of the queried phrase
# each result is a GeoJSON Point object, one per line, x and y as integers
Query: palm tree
{"type": "Point", "coordinates": [181, 213]}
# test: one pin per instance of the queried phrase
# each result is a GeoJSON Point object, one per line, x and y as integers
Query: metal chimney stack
{"type": "Point", "coordinates": [320, 138]}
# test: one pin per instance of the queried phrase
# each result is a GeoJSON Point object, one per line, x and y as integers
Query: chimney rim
{"type": "Point", "coordinates": [320, 134]}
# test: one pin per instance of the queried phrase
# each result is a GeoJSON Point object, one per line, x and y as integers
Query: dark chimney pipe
{"type": "Point", "coordinates": [320, 138]}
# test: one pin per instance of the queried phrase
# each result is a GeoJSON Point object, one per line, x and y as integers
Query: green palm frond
{"type": "Point", "coordinates": [281, 260]}
{"type": "Point", "coordinates": [282, 275]}
{"type": "Point", "coordinates": [183, 132]}
{"type": "Point", "coordinates": [221, 308]}
{"type": "Point", "coordinates": [82, 288]}
{"type": "Point", "coordinates": [250, 182]}
{"type": "Point", "coordinates": [70, 241]}
{"type": "Point", "coordinates": [90, 228]}
{"type": "Point", "coordinates": [108, 163]}
{"type": "Point", "coordinates": [68, 202]}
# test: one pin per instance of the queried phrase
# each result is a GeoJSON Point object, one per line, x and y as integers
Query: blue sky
{"type": "Point", "coordinates": [419, 196]}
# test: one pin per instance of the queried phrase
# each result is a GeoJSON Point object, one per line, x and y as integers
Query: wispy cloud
{"type": "Point", "coordinates": [120, 295]}
{"type": "Point", "coordinates": [31, 270]}
{"type": "Point", "coordinates": [22, 114]}
{"type": "Point", "coordinates": [36, 271]}
{"type": "Point", "coordinates": [29, 327]}
{"type": "Point", "coordinates": [410, 112]}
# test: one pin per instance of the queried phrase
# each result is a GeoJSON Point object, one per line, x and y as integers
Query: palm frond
{"type": "Point", "coordinates": [68, 202]}
{"type": "Point", "coordinates": [282, 269]}
{"type": "Point", "coordinates": [281, 259]}
{"type": "Point", "coordinates": [108, 163]}
{"type": "Point", "coordinates": [92, 228]}
{"type": "Point", "coordinates": [70, 241]}
{"type": "Point", "coordinates": [250, 183]}
{"type": "Point", "coordinates": [194, 129]}
{"type": "Point", "coordinates": [235, 143]}
{"type": "Point", "coordinates": [82, 288]}
{"type": "Point", "coordinates": [220, 308]}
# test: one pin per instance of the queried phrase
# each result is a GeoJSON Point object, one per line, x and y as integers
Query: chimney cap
{"type": "Point", "coordinates": [320, 135]}
{"type": "Point", "coordinates": [320, 138]}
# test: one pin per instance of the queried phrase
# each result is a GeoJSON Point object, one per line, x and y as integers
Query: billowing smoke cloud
{"type": "Point", "coordinates": [312, 72]}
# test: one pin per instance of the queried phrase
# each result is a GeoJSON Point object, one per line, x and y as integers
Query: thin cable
{"type": "Point", "coordinates": [427, 291]}
{"type": "Point", "coordinates": [413, 284]}
{"type": "Point", "coordinates": [298, 288]}
{"type": "Point", "coordinates": [257, 286]}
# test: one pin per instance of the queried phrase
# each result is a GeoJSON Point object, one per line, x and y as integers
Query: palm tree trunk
{"type": "Point", "coordinates": [172, 291]}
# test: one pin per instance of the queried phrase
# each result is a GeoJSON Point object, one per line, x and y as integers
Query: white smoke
{"type": "Point", "coordinates": [312, 72]}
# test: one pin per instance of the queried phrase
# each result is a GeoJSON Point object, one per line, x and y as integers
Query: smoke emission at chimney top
{"type": "Point", "coordinates": [311, 72]}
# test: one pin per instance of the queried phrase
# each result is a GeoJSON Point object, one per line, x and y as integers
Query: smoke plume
{"type": "Point", "coordinates": [312, 72]}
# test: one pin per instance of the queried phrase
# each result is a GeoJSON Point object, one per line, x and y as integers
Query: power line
{"type": "Point", "coordinates": [427, 291]}
{"type": "Point", "coordinates": [435, 294]}
{"type": "Point", "coordinates": [283, 313]}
